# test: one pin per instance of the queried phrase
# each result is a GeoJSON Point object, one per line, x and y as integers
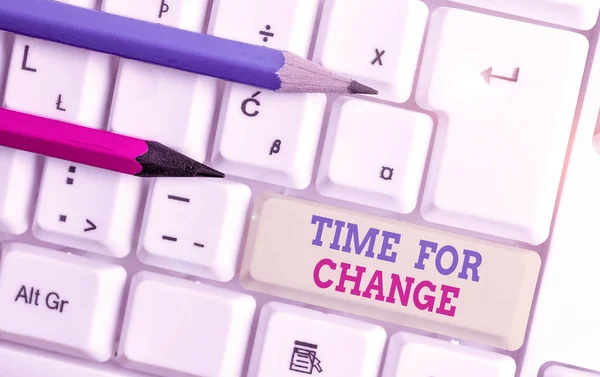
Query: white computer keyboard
{"type": "Point", "coordinates": [481, 142]}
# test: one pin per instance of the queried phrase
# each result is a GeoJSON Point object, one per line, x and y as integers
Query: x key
{"type": "Point", "coordinates": [378, 56]}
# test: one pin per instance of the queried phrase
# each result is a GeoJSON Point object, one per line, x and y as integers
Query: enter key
{"type": "Point", "coordinates": [384, 269]}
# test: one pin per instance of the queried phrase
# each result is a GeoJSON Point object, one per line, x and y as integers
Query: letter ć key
{"type": "Point", "coordinates": [435, 281]}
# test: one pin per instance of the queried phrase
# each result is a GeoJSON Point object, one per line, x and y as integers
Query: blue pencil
{"type": "Point", "coordinates": [153, 43]}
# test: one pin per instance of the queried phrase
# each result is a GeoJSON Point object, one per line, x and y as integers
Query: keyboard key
{"type": "Point", "coordinates": [16, 361]}
{"type": "Point", "coordinates": [266, 136]}
{"type": "Point", "coordinates": [87, 208]}
{"type": "Point", "coordinates": [151, 102]}
{"type": "Point", "coordinates": [389, 270]}
{"type": "Point", "coordinates": [58, 81]}
{"type": "Point", "coordinates": [17, 190]}
{"type": "Point", "coordinates": [562, 371]}
{"type": "Point", "coordinates": [183, 14]}
{"type": "Point", "coordinates": [564, 327]}
{"type": "Point", "coordinates": [382, 51]}
{"type": "Point", "coordinates": [417, 355]}
{"type": "Point", "coordinates": [579, 14]}
{"type": "Point", "coordinates": [184, 232]}
{"type": "Point", "coordinates": [179, 327]}
{"type": "Point", "coordinates": [386, 169]}
{"type": "Point", "coordinates": [292, 339]}
{"type": "Point", "coordinates": [507, 115]}
{"type": "Point", "coordinates": [284, 25]}
{"type": "Point", "coordinates": [58, 301]}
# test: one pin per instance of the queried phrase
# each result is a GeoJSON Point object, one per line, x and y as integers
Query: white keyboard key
{"type": "Point", "coordinates": [377, 43]}
{"type": "Point", "coordinates": [562, 371]}
{"type": "Point", "coordinates": [292, 340]}
{"type": "Point", "coordinates": [389, 270]}
{"type": "Point", "coordinates": [184, 232]}
{"type": "Point", "coordinates": [417, 355]}
{"type": "Point", "coordinates": [87, 208]}
{"type": "Point", "coordinates": [267, 136]}
{"type": "Point", "coordinates": [178, 327]}
{"type": "Point", "coordinates": [58, 301]}
{"type": "Point", "coordinates": [183, 14]}
{"type": "Point", "coordinates": [18, 361]}
{"type": "Point", "coordinates": [564, 327]}
{"type": "Point", "coordinates": [58, 81]}
{"type": "Point", "coordinates": [284, 25]}
{"type": "Point", "coordinates": [17, 190]}
{"type": "Point", "coordinates": [170, 106]}
{"type": "Point", "coordinates": [385, 171]}
{"type": "Point", "coordinates": [579, 14]}
{"type": "Point", "coordinates": [506, 115]}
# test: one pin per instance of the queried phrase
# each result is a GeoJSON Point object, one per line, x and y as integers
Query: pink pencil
{"type": "Point", "coordinates": [97, 148]}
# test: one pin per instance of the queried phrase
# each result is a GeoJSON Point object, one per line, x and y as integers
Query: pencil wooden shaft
{"type": "Point", "coordinates": [71, 142]}
{"type": "Point", "coordinates": [143, 41]}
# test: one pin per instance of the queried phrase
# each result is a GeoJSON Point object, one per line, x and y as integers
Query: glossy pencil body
{"type": "Point", "coordinates": [128, 155]}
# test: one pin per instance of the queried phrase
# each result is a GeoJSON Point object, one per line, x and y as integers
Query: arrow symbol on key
{"type": "Point", "coordinates": [487, 75]}
{"type": "Point", "coordinates": [91, 224]}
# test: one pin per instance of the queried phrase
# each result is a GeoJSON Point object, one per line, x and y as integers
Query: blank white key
{"type": "Point", "coordinates": [417, 355]}
{"type": "Point", "coordinates": [380, 165]}
{"type": "Point", "coordinates": [506, 111]}
{"type": "Point", "coordinates": [17, 188]}
{"type": "Point", "coordinates": [58, 301]}
{"type": "Point", "coordinates": [18, 361]}
{"type": "Point", "coordinates": [87, 208]}
{"type": "Point", "coordinates": [157, 103]}
{"type": "Point", "coordinates": [267, 136]}
{"type": "Point", "coordinates": [284, 25]}
{"type": "Point", "coordinates": [183, 14]}
{"type": "Point", "coordinates": [58, 81]}
{"type": "Point", "coordinates": [376, 43]}
{"type": "Point", "coordinates": [178, 327]}
{"type": "Point", "coordinates": [579, 14]}
{"type": "Point", "coordinates": [292, 340]}
{"type": "Point", "coordinates": [185, 232]}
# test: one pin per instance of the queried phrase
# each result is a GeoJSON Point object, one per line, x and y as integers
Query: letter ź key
{"type": "Point", "coordinates": [436, 281]}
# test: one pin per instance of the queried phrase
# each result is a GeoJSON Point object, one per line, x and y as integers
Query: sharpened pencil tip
{"type": "Point", "coordinates": [357, 88]}
{"type": "Point", "coordinates": [206, 171]}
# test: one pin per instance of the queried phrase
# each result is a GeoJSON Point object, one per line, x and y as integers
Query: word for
{"type": "Point", "coordinates": [446, 260]}
{"type": "Point", "coordinates": [266, 33]}
{"type": "Point", "coordinates": [386, 173]}
{"type": "Point", "coordinates": [24, 66]}
{"type": "Point", "coordinates": [422, 295]}
{"type": "Point", "coordinates": [59, 102]}
{"type": "Point", "coordinates": [275, 147]}
{"type": "Point", "coordinates": [378, 56]}
{"type": "Point", "coordinates": [164, 8]}
{"type": "Point", "coordinates": [31, 295]}
{"type": "Point", "coordinates": [304, 358]}
{"type": "Point", "coordinates": [247, 101]}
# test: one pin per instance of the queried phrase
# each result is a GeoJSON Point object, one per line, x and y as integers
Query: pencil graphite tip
{"type": "Point", "coordinates": [206, 171]}
{"type": "Point", "coordinates": [357, 88]}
